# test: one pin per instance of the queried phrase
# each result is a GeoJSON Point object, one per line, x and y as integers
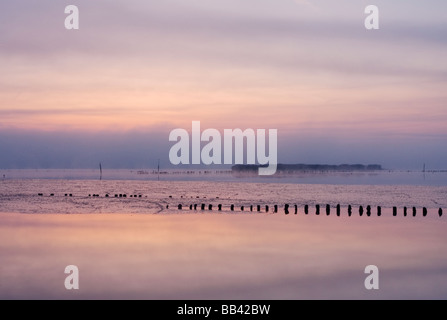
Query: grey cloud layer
{"type": "Point", "coordinates": [141, 149]}
{"type": "Point", "coordinates": [173, 32]}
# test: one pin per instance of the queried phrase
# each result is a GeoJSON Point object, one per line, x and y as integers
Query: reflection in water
{"type": "Point", "coordinates": [228, 256]}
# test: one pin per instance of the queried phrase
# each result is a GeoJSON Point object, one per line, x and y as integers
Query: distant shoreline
{"type": "Point", "coordinates": [301, 168]}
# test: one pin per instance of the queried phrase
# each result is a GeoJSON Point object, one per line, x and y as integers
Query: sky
{"type": "Point", "coordinates": [113, 90]}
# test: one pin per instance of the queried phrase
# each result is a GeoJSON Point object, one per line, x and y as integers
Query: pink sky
{"type": "Point", "coordinates": [297, 66]}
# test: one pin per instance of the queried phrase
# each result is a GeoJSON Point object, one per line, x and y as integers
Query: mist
{"type": "Point", "coordinates": [140, 149]}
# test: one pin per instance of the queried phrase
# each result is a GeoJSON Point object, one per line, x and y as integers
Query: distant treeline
{"type": "Point", "coordinates": [309, 167]}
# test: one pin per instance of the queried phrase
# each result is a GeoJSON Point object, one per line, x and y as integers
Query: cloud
{"type": "Point", "coordinates": [141, 148]}
{"type": "Point", "coordinates": [60, 149]}
{"type": "Point", "coordinates": [157, 35]}
{"type": "Point", "coordinates": [253, 63]}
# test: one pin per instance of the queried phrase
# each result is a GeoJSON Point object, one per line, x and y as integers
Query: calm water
{"type": "Point", "coordinates": [22, 196]}
{"type": "Point", "coordinates": [145, 248]}
{"type": "Point", "coordinates": [259, 256]}
{"type": "Point", "coordinates": [19, 191]}
{"type": "Point", "coordinates": [384, 177]}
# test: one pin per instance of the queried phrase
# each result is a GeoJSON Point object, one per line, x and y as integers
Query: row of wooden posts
{"type": "Point", "coordinates": [288, 209]}
{"type": "Point", "coordinates": [120, 195]}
